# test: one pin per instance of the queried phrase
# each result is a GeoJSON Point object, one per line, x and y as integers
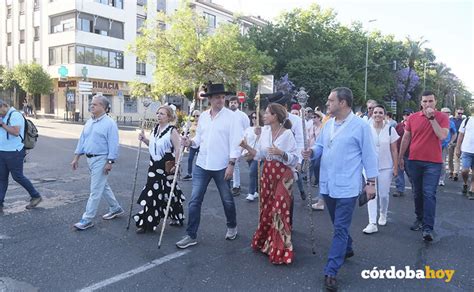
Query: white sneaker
{"type": "Point", "coordinates": [371, 228]}
{"type": "Point", "coordinates": [250, 197]}
{"type": "Point", "coordinates": [441, 183]}
{"type": "Point", "coordinates": [319, 206]}
{"type": "Point", "coordinates": [382, 220]}
{"type": "Point", "coordinates": [231, 233]}
{"type": "Point", "coordinates": [255, 195]}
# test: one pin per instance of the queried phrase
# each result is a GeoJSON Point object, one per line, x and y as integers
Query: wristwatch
{"type": "Point", "coordinates": [110, 161]}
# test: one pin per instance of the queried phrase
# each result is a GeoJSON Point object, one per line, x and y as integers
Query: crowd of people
{"type": "Point", "coordinates": [349, 154]}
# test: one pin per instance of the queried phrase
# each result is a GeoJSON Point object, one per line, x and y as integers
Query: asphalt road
{"type": "Point", "coordinates": [40, 250]}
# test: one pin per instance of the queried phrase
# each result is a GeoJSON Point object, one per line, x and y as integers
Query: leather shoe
{"type": "Point", "coordinates": [349, 254]}
{"type": "Point", "coordinates": [330, 283]}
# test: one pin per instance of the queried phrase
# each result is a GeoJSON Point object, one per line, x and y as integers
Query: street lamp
{"type": "Point", "coordinates": [367, 62]}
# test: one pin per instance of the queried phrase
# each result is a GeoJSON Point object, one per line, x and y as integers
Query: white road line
{"type": "Point", "coordinates": [135, 271]}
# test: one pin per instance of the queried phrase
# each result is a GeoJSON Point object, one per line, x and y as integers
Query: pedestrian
{"type": "Point", "coordinates": [345, 147]}
{"type": "Point", "coordinates": [400, 178]}
{"type": "Point", "coordinates": [244, 122]}
{"type": "Point", "coordinates": [453, 160]}
{"type": "Point", "coordinates": [277, 146]}
{"type": "Point", "coordinates": [163, 145]}
{"type": "Point", "coordinates": [424, 130]}
{"type": "Point", "coordinates": [12, 154]}
{"type": "Point", "coordinates": [452, 135]}
{"type": "Point", "coordinates": [315, 164]}
{"type": "Point", "coordinates": [370, 109]}
{"type": "Point", "coordinates": [25, 107]}
{"type": "Point", "coordinates": [192, 150]}
{"type": "Point", "coordinates": [465, 150]}
{"type": "Point", "coordinates": [385, 138]}
{"type": "Point", "coordinates": [251, 139]}
{"type": "Point", "coordinates": [99, 142]}
{"type": "Point", "coordinates": [390, 120]}
{"type": "Point", "coordinates": [296, 112]}
{"type": "Point", "coordinates": [218, 135]}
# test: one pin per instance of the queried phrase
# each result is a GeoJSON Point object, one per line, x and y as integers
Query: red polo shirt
{"type": "Point", "coordinates": [425, 145]}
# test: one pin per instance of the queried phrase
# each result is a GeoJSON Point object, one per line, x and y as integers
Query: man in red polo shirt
{"type": "Point", "coordinates": [424, 132]}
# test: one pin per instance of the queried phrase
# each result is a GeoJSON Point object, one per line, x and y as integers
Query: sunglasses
{"type": "Point", "coordinates": [196, 116]}
{"type": "Point", "coordinates": [254, 117]}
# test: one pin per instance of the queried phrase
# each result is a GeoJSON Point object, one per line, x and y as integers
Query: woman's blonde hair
{"type": "Point", "coordinates": [169, 112]}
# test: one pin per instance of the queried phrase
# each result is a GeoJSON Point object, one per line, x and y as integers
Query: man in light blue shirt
{"type": "Point", "coordinates": [345, 147]}
{"type": "Point", "coordinates": [99, 142]}
{"type": "Point", "coordinates": [12, 153]}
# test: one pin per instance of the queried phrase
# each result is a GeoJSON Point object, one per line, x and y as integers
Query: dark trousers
{"type": "Point", "coordinates": [192, 153]}
{"type": "Point", "coordinates": [425, 178]}
{"type": "Point", "coordinates": [12, 162]}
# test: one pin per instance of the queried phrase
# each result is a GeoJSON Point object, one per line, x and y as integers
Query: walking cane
{"type": "Point", "coordinates": [146, 104]}
{"type": "Point", "coordinates": [173, 185]}
{"type": "Point", "coordinates": [302, 97]}
{"type": "Point", "coordinates": [259, 168]}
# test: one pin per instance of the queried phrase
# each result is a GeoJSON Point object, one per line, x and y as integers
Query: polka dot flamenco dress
{"type": "Point", "coordinates": [155, 195]}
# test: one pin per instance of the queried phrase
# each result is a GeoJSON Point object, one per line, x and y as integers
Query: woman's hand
{"type": "Point", "coordinates": [258, 130]}
{"type": "Point", "coordinates": [244, 144]}
{"type": "Point", "coordinates": [395, 170]}
{"type": "Point", "coordinates": [275, 151]}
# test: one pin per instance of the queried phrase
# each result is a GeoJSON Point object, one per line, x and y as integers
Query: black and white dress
{"type": "Point", "coordinates": [155, 194]}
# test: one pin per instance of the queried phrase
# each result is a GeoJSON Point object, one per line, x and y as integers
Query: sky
{"type": "Point", "coordinates": [448, 25]}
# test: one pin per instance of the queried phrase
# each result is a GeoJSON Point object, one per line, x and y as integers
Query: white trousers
{"type": "Point", "coordinates": [383, 189]}
{"type": "Point", "coordinates": [236, 174]}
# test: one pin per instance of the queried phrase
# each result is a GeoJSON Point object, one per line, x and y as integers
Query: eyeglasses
{"type": "Point", "coordinates": [196, 116]}
{"type": "Point", "coordinates": [254, 117]}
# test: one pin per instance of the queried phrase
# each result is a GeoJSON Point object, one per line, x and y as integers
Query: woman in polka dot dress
{"type": "Point", "coordinates": [163, 146]}
{"type": "Point", "coordinates": [277, 146]}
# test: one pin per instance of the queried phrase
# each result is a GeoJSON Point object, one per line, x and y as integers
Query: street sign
{"type": "Point", "coordinates": [241, 96]}
{"type": "Point", "coordinates": [63, 71]}
{"type": "Point", "coordinates": [70, 96]}
{"type": "Point", "coordinates": [85, 87]}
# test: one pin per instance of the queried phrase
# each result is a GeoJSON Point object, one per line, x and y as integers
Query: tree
{"type": "Point", "coordinates": [33, 80]}
{"type": "Point", "coordinates": [188, 53]}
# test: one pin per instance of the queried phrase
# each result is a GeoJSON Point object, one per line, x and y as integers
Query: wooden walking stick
{"type": "Point", "coordinates": [146, 104]}
{"type": "Point", "coordinates": [259, 168]}
{"type": "Point", "coordinates": [176, 171]}
{"type": "Point", "coordinates": [302, 97]}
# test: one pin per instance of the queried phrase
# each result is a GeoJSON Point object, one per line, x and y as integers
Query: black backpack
{"type": "Point", "coordinates": [30, 134]}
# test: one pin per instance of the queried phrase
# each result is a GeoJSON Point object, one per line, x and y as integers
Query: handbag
{"type": "Point", "coordinates": [169, 165]}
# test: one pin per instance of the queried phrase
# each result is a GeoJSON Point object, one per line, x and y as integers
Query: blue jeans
{"type": "Point", "coordinates": [340, 211]}
{"type": "Point", "coordinates": [253, 176]}
{"type": "Point", "coordinates": [425, 177]}
{"type": "Point", "coordinates": [400, 178]}
{"type": "Point", "coordinates": [201, 179]}
{"type": "Point", "coordinates": [192, 153]}
{"type": "Point", "coordinates": [12, 162]}
{"type": "Point", "coordinates": [99, 187]}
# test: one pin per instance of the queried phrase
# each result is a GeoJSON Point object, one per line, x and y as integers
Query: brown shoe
{"type": "Point", "coordinates": [330, 283]}
{"type": "Point", "coordinates": [34, 202]}
{"type": "Point", "coordinates": [236, 192]}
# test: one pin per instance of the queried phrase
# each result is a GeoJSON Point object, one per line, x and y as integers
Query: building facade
{"type": "Point", "coordinates": [77, 40]}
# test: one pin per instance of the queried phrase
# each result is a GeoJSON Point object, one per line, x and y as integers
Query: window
{"type": "Point", "coordinates": [64, 55]}
{"type": "Point", "coordinates": [71, 54]}
{"type": "Point", "coordinates": [141, 68]}
{"type": "Point", "coordinates": [141, 2]}
{"type": "Point", "coordinates": [96, 56]}
{"type": "Point", "coordinates": [22, 36]}
{"type": "Point", "coordinates": [36, 5]}
{"type": "Point", "coordinates": [114, 3]}
{"type": "Point", "coordinates": [9, 39]}
{"type": "Point", "coordinates": [129, 104]}
{"type": "Point", "coordinates": [22, 6]}
{"type": "Point", "coordinates": [211, 19]}
{"type": "Point", "coordinates": [85, 22]}
{"type": "Point", "coordinates": [37, 33]}
{"type": "Point", "coordinates": [9, 11]}
{"type": "Point", "coordinates": [100, 25]}
{"type": "Point", "coordinates": [161, 5]}
{"type": "Point", "coordinates": [89, 56]}
{"type": "Point", "coordinates": [63, 22]}
{"type": "Point", "coordinates": [140, 23]}
{"type": "Point", "coordinates": [80, 55]}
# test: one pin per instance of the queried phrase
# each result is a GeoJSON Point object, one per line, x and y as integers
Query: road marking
{"type": "Point", "coordinates": [135, 271]}
{"type": "Point", "coordinates": [4, 237]}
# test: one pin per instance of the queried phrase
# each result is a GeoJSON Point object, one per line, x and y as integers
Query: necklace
{"type": "Point", "coordinates": [274, 137]}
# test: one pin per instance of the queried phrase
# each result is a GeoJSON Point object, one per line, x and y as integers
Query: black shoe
{"type": "Point", "coordinates": [236, 191]}
{"type": "Point", "coordinates": [417, 225]}
{"type": "Point", "coordinates": [188, 177]}
{"type": "Point", "coordinates": [427, 235]}
{"type": "Point", "coordinates": [303, 196]}
{"type": "Point", "coordinates": [470, 196]}
{"type": "Point", "coordinates": [455, 178]}
{"type": "Point", "coordinates": [349, 254]}
{"type": "Point", "coordinates": [464, 189]}
{"type": "Point", "coordinates": [34, 202]}
{"type": "Point", "coordinates": [140, 230]}
{"type": "Point", "coordinates": [330, 283]}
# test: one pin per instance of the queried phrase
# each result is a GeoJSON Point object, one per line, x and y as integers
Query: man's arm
{"type": "Point", "coordinates": [441, 133]}
{"type": "Point", "coordinates": [113, 141]}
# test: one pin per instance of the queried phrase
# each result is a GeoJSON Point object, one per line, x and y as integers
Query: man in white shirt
{"type": "Point", "coordinates": [218, 135]}
{"type": "Point", "coordinates": [465, 145]}
{"type": "Point", "coordinates": [244, 123]}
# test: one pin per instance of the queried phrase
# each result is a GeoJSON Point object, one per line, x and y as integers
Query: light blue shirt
{"type": "Point", "coordinates": [99, 137]}
{"type": "Point", "coordinates": [13, 143]}
{"type": "Point", "coordinates": [343, 159]}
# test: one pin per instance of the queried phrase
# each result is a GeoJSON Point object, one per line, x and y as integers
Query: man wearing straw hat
{"type": "Point", "coordinates": [218, 135]}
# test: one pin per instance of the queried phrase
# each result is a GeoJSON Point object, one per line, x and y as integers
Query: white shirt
{"type": "Point", "coordinates": [218, 139]}
{"type": "Point", "coordinates": [297, 129]}
{"type": "Point", "coordinates": [309, 129]}
{"type": "Point", "coordinates": [468, 131]}
{"type": "Point", "coordinates": [159, 146]}
{"type": "Point", "coordinates": [285, 142]}
{"type": "Point", "coordinates": [244, 120]}
{"type": "Point", "coordinates": [250, 137]}
{"type": "Point", "coordinates": [382, 141]}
